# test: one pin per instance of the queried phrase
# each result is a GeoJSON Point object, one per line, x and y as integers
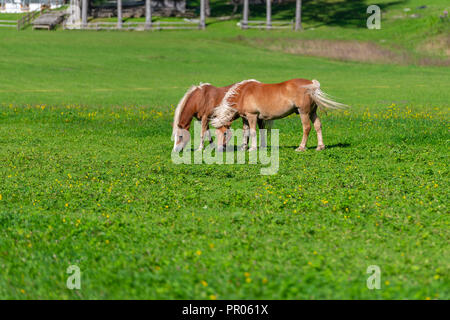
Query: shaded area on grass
{"type": "Point", "coordinates": [320, 12]}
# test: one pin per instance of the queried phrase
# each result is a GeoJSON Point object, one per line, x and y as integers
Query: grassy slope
{"type": "Point", "coordinates": [92, 184]}
{"type": "Point", "coordinates": [108, 68]}
{"type": "Point", "coordinates": [345, 20]}
{"type": "Point", "coordinates": [335, 20]}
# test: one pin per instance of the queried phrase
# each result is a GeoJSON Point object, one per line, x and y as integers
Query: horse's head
{"type": "Point", "coordinates": [181, 137]}
{"type": "Point", "coordinates": [223, 135]}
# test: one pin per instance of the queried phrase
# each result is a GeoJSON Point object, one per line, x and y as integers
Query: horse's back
{"type": "Point", "coordinates": [272, 100]}
{"type": "Point", "coordinates": [206, 98]}
{"type": "Point", "coordinates": [289, 84]}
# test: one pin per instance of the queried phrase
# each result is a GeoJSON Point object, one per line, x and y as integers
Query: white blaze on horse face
{"type": "Point", "coordinates": [175, 139]}
{"type": "Point", "coordinates": [182, 137]}
{"type": "Point", "coordinates": [177, 156]}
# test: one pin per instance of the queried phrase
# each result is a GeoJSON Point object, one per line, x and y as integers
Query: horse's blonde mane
{"type": "Point", "coordinates": [181, 105]}
{"type": "Point", "coordinates": [224, 112]}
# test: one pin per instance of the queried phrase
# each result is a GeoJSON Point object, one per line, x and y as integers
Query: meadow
{"type": "Point", "coordinates": [87, 177]}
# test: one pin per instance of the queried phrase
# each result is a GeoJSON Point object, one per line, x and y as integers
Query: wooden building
{"type": "Point", "coordinates": [18, 6]}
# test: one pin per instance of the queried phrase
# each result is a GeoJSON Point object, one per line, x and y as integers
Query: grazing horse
{"type": "Point", "coordinates": [254, 100]}
{"type": "Point", "coordinates": [199, 102]}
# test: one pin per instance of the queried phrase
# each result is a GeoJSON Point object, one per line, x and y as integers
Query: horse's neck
{"type": "Point", "coordinates": [186, 117]}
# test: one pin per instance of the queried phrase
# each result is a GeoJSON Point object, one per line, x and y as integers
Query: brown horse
{"type": "Point", "coordinates": [254, 100]}
{"type": "Point", "coordinates": [199, 102]}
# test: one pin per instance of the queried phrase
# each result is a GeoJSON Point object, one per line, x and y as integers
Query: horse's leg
{"type": "Point", "coordinates": [252, 121]}
{"type": "Point", "coordinates": [246, 130]}
{"type": "Point", "coordinates": [208, 135]}
{"type": "Point", "coordinates": [262, 133]}
{"type": "Point", "coordinates": [202, 134]}
{"type": "Point", "coordinates": [228, 136]}
{"type": "Point", "coordinates": [306, 129]}
{"type": "Point", "coordinates": [318, 127]}
{"type": "Point", "coordinates": [220, 136]}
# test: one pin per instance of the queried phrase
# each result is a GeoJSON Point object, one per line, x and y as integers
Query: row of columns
{"type": "Point", "coordinates": [148, 13]}
{"type": "Point", "coordinates": [298, 15]}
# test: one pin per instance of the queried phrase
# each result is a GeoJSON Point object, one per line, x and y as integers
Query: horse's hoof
{"type": "Point", "coordinates": [321, 147]}
{"type": "Point", "coordinates": [300, 149]}
{"type": "Point", "coordinates": [252, 149]}
{"type": "Point", "coordinates": [243, 148]}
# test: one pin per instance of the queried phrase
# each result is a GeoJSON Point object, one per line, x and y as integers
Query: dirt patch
{"type": "Point", "coordinates": [345, 50]}
{"type": "Point", "coordinates": [439, 45]}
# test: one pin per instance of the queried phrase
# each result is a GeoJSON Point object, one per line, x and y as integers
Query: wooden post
{"type": "Point", "coordinates": [268, 14]}
{"type": "Point", "coordinates": [119, 14]}
{"type": "Point", "coordinates": [244, 22]}
{"type": "Point", "coordinates": [207, 8]}
{"type": "Point", "coordinates": [84, 8]}
{"type": "Point", "coordinates": [202, 14]}
{"type": "Point", "coordinates": [148, 14]}
{"type": "Point", "coordinates": [298, 15]}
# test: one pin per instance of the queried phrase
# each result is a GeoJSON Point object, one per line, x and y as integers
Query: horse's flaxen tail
{"type": "Point", "coordinates": [322, 99]}
{"type": "Point", "coordinates": [224, 113]}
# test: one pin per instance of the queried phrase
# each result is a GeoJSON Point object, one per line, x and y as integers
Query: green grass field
{"type": "Point", "coordinates": [87, 177]}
